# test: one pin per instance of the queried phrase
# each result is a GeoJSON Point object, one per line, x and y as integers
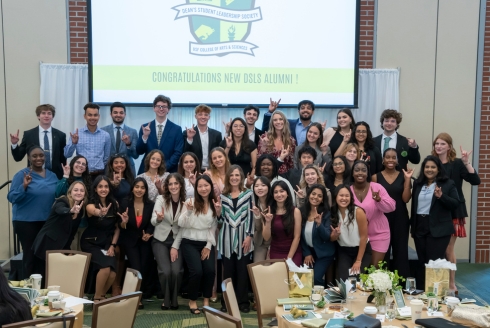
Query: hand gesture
{"type": "Point", "coordinates": [324, 147]}
{"type": "Point", "coordinates": [66, 169]}
{"type": "Point", "coordinates": [438, 192]}
{"type": "Point", "coordinates": [408, 173]}
{"type": "Point", "coordinates": [146, 236]}
{"type": "Point", "coordinates": [250, 179]}
{"type": "Point", "coordinates": [284, 153]}
{"type": "Point", "coordinates": [205, 254]}
{"type": "Point", "coordinates": [227, 126]}
{"type": "Point", "coordinates": [264, 138]}
{"type": "Point", "coordinates": [317, 217]}
{"type": "Point", "coordinates": [465, 156]}
{"type": "Point", "coordinates": [146, 130]}
{"type": "Point", "coordinates": [375, 194]}
{"type": "Point", "coordinates": [74, 137]}
{"type": "Point", "coordinates": [217, 206]}
{"type": "Point", "coordinates": [76, 208]}
{"type": "Point", "coordinates": [411, 143]}
{"type": "Point", "coordinates": [335, 232]}
{"type": "Point", "coordinates": [192, 177]}
{"type": "Point", "coordinates": [189, 205]}
{"type": "Point", "coordinates": [103, 210]}
{"type": "Point", "coordinates": [27, 179]}
{"type": "Point", "coordinates": [247, 244]}
{"type": "Point", "coordinates": [116, 177]}
{"type": "Point", "coordinates": [124, 216]}
{"type": "Point", "coordinates": [14, 138]}
{"type": "Point", "coordinates": [174, 254]}
{"type": "Point", "coordinates": [126, 139]}
{"type": "Point", "coordinates": [309, 261]}
{"type": "Point", "coordinates": [324, 125]}
{"type": "Point", "coordinates": [229, 142]}
{"type": "Point", "coordinates": [255, 210]}
{"type": "Point", "coordinates": [322, 168]}
{"type": "Point", "coordinates": [347, 136]}
{"type": "Point", "coordinates": [159, 215]}
{"type": "Point", "coordinates": [300, 193]}
{"type": "Point", "coordinates": [190, 132]}
{"type": "Point", "coordinates": [158, 183]}
{"type": "Point", "coordinates": [273, 105]}
{"type": "Point", "coordinates": [268, 216]}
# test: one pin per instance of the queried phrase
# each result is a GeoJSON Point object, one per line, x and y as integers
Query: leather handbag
{"type": "Point", "coordinates": [437, 323]}
{"type": "Point", "coordinates": [363, 321]}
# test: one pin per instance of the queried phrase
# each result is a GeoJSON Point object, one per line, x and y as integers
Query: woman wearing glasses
{"type": "Point", "coordinates": [369, 153]}
{"type": "Point", "coordinates": [337, 173]}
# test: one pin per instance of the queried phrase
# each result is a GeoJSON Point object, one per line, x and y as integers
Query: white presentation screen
{"type": "Point", "coordinates": [231, 52]}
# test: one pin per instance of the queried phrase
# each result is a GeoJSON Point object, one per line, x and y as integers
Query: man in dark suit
{"type": "Point", "coordinates": [406, 148]}
{"type": "Point", "coordinates": [50, 139]}
{"type": "Point", "coordinates": [123, 138]}
{"type": "Point", "coordinates": [201, 139]}
{"type": "Point", "coordinates": [161, 134]}
{"type": "Point", "coordinates": [298, 127]}
{"type": "Point", "coordinates": [306, 156]}
{"type": "Point", "coordinates": [251, 115]}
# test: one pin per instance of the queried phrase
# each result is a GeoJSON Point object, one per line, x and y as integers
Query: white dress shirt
{"type": "Point", "coordinates": [392, 143]}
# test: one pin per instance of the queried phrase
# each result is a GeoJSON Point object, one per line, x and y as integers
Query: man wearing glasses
{"type": "Point", "coordinates": [161, 134]}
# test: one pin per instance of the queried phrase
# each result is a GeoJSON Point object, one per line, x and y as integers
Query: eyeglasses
{"type": "Point", "coordinates": [81, 163]}
{"type": "Point", "coordinates": [338, 164]}
{"type": "Point", "coordinates": [361, 132]}
{"type": "Point", "coordinates": [161, 107]}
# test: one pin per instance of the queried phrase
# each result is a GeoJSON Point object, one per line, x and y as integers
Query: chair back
{"type": "Point", "coordinates": [56, 322]}
{"type": "Point", "coordinates": [230, 298]}
{"type": "Point", "coordinates": [119, 311]}
{"type": "Point", "coordinates": [268, 283]}
{"type": "Point", "coordinates": [218, 319]}
{"type": "Point", "coordinates": [132, 281]}
{"type": "Point", "coordinates": [67, 269]}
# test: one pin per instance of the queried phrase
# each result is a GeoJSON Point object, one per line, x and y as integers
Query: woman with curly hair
{"type": "Point", "coordinates": [167, 237]}
{"type": "Point", "coordinates": [154, 173]}
{"type": "Point", "coordinates": [368, 151]}
{"type": "Point", "coordinates": [338, 172]}
{"type": "Point", "coordinates": [278, 142]}
{"type": "Point", "coordinates": [119, 172]}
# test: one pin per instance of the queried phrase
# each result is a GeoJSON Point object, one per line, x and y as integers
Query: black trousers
{"type": "Point", "coordinates": [201, 272]}
{"type": "Point", "coordinates": [236, 269]}
{"type": "Point", "coordinates": [348, 256]}
{"type": "Point", "coordinates": [140, 257]}
{"type": "Point", "coordinates": [399, 232]}
{"type": "Point", "coordinates": [27, 232]}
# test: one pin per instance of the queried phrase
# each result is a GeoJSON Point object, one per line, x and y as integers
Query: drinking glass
{"type": "Point", "coordinates": [410, 287]}
{"type": "Point", "coordinates": [449, 293]}
{"type": "Point", "coordinates": [390, 312]}
{"type": "Point", "coordinates": [432, 304]}
{"type": "Point", "coordinates": [353, 282]}
{"type": "Point", "coordinates": [344, 310]}
{"type": "Point", "coordinates": [362, 283]}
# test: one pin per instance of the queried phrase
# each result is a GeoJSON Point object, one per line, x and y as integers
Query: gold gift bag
{"type": "Point", "coordinates": [437, 275]}
{"type": "Point", "coordinates": [300, 284]}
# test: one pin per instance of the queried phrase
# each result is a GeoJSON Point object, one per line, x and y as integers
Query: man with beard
{"type": "Point", "coordinates": [123, 138]}
{"type": "Point", "coordinates": [298, 126]}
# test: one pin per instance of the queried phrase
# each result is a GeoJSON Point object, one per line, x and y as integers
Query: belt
{"type": "Point", "coordinates": [96, 172]}
{"type": "Point", "coordinates": [423, 215]}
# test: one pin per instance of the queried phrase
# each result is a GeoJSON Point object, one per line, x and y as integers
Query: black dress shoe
{"type": "Point", "coordinates": [141, 307]}
{"type": "Point", "coordinates": [223, 309]}
{"type": "Point", "coordinates": [164, 308]}
{"type": "Point", "coordinates": [245, 309]}
{"type": "Point", "coordinates": [174, 307]}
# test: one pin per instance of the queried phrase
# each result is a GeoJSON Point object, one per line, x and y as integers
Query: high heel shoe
{"type": "Point", "coordinates": [213, 299]}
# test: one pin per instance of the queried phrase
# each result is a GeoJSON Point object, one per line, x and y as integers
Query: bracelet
{"type": "Point", "coordinates": [358, 261]}
{"type": "Point", "coordinates": [113, 245]}
{"type": "Point", "coordinates": [467, 163]}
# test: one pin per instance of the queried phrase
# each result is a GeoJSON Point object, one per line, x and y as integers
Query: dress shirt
{"type": "Point", "coordinates": [392, 141]}
{"type": "Point", "coordinates": [425, 199]}
{"type": "Point", "coordinates": [199, 227]}
{"type": "Point", "coordinates": [114, 126]}
{"type": "Point", "coordinates": [251, 136]}
{"type": "Point", "coordinates": [95, 147]}
{"type": "Point", "coordinates": [205, 146]}
{"type": "Point", "coordinates": [301, 132]}
{"type": "Point", "coordinates": [156, 129]}
{"type": "Point", "coordinates": [309, 232]}
{"type": "Point", "coordinates": [41, 141]}
{"type": "Point", "coordinates": [349, 233]}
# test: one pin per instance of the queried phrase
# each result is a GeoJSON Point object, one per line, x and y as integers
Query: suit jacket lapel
{"type": "Point", "coordinates": [113, 140]}
{"type": "Point", "coordinates": [36, 140]}
{"type": "Point", "coordinates": [198, 144]}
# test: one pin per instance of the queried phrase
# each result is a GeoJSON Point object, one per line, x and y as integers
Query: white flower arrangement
{"type": "Point", "coordinates": [380, 281]}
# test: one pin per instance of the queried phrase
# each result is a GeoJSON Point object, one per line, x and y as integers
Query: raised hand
{"type": "Point", "coordinates": [116, 177]}
{"type": "Point", "coordinates": [227, 126]}
{"type": "Point", "coordinates": [74, 137]}
{"type": "Point", "coordinates": [255, 210]}
{"type": "Point", "coordinates": [375, 194]}
{"type": "Point", "coordinates": [158, 183]}
{"type": "Point", "coordinates": [273, 105]}
{"type": "Point", "coordinates": [284, 153]}
{"type": "Point", "coordinates": [217, 206]}
{"type": "Point", "coordinates": [229, 142]}
{"type": "Point", "coordinates": [76, 208]}
{"type": "Point", "coordinates": [126, 139]}
{"type": "Point", "coordinates": [264, 138]}
{"type": "Point", "coordinates": [192, 177]}
{"type": "Point", "coordinates": [159, 215]}
{"type": "Point", "coordinates": [408, 173]}
{"type": "Point", "coordinates": [438, 192]}
{"type": "Point", "coordinates": [66, 169]}
{"type": "Point", "coordinates": [27, 179]}
{"type": "Point", "coordinates": [322, 168]}
{"type": "Point", "coordinates": [335, 232]}
{"type": "Point", "coordinates": [300, 193]}
{"type": "Point", "coordinates": [465, 156]}
{"type": "Point", "coordinates": [347, 136]}
{"type": "Point", "coordinates": [268, 216]}
{"type": "Point", "coordinates": [174, 254]}
{"type": "Point", "coordinates": [146, 130]}
{"type": "Point", "coordinates": [103, 210]}
{"type": "Point", "coordinates": [14, 138]}
{"type": "Point", "coordinates": [189, 205]}
{"type": "Point", "coordinates": [324, 125]}
{"type": "Point", "coordinates": [411, 143]}
{"type": "Point", "coordinates": [324, 147]}
{"type": "Point", "coordinates": [250, 179]}
{"type": "Point", "coordinates": [317, 217]}
{"type": "Point", "coordinates": [190, 132]}
{"type": "Point", "coordinates": [124, 216]}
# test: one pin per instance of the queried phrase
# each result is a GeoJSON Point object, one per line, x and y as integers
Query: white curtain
{"type": "Point", "coordinates": [66, 88]}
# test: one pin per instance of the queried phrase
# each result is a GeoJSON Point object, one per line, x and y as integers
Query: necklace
{"type": "Point", "coordinates": [359, 193]}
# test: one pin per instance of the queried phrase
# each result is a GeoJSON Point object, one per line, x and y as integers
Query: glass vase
{"type": "Point", "coordinates": [380, 301]}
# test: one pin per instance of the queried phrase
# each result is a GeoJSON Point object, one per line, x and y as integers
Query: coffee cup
{"type": "Point", "coordinates": [317, 289]}
{"type": "Point", "coordinates": [371, 311]}
{"type": "Point", "coordinates": [53, 296]}
{"type": "Point", "coordinates": [316, 297]}
{"type": "Point", "coordinates": [35, 279]}
{"type": "Point", "coordinates": [416, 306]}
{"type": "Point", "coordinates": [59, 305]}
{"type": "Point", "coordinates": [53, 288]}
{"type": "Point", "coordinates": [451, 303]}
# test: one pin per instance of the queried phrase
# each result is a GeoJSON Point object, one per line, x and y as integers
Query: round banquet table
{"type": "Point", "coordinates": [77, 312]}
{"type": "Point", "coordinates": [356, 305]}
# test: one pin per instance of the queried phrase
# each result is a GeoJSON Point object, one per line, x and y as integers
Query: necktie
{"type": "Point", "coordinates": [47, 158]}
{"type": "Point", "coordinates": [159, 134]}
{"type": "Point", "coordinates": [387, 143]}
{"type": "Point", "coordinates": [118, 138]}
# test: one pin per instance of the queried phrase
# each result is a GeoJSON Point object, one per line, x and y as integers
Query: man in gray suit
{"type": "Point", "coordinates": [123, 138]}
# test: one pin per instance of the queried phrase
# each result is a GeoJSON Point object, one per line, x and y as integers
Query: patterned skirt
{"type": "Point", "coordinates": [459, 229]}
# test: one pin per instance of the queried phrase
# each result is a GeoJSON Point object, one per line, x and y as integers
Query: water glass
{"type": "Point", "coordinates": [411, 286]}
{"type": "Point", "coordinates": [353, 282]}
{"type": "Point", "coordinates": [344, 310]}
{"type": "Point", "coordinates": [449, 293]}
{"type": "Point", "coordinates": [432, 304]}
{"type": "Point", "coordinates": [390, 312]}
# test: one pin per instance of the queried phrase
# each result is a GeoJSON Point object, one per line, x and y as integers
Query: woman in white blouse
{"type": "Point", "coordinates": [154, 173]}
{"type": "Point", "coordinates": [167, 237]}
{"type": "Point", "coordinates": [198, 228]}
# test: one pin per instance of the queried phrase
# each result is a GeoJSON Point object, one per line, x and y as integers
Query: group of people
{"type": "Point", "coordinates": [331, 198]}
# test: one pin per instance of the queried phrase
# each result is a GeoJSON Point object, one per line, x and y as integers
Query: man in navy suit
{"type": "Point", "coordinates": [161, 134]}
{"type": "Point", "coordinates": [298, 127]}
{"type": "Point", "coordinates": [123, 138]}
{"type": "Point", "coordinates": [52, 140]}
{"type": "Point", "coordinates": [406, 148]}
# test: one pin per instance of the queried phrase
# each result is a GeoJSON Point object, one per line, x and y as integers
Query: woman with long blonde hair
{"type": "Point", "coordinates": [278, 142]}
{"type": "Point", "coordinates": [218, 166]}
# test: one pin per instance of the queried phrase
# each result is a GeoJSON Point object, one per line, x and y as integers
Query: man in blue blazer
{"type": "Point", "coordinates": [123, 138]}
{"type": "Point", "coordinates": [161, 134]}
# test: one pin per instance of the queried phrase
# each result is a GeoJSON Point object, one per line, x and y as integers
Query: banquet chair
{"type": "Point", "coordinates": [230, 298]}
{"type": "Point", "coordinates": [119, 311]}
{"type": "Point", "coordinates": [132, 281]}
{"type": "Point", "coordinates": [67, 269]}
{"type": "Point", "coordinates": [56, 322]}
{"type": "Point", "coordinates": [218, 319]}
{"type": "Point", "coordinates": [268, 279]}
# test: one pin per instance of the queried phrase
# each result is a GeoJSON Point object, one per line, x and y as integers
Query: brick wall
{"type": "Point", "coordinates": [79, 48]}
{"type": "Point", "coordinates": [483, 212]}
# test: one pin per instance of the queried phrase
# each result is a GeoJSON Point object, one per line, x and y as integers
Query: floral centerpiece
{"type": "Point", "coordinates": [382, 282]}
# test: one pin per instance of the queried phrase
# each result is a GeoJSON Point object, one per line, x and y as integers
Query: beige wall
{"type": "Point", "coordinates": [33, 31]}
{"type": "Point", "coordinates": [435, 45]}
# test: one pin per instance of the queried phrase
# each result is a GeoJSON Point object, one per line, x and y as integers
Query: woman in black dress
{"type": "Point", "coordinates": [101, 236]}
{"type": "Point", "coordinates": [239, 148]}
{"type": "Point", "coordinates": [399, 187]}
{"type": "Point", "coordinates": [340, 136]}
{"type": "Point", "coordinates": [368, 151]}
{"type": "Point", "coordinates": [338, 172]}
